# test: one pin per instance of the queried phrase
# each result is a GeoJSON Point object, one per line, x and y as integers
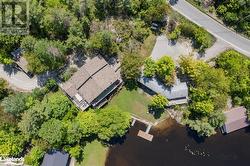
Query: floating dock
{"type": "Point", "coordinates": [145, 135]}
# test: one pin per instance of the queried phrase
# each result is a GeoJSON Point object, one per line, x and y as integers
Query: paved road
{"type": "Point", "coordinates": [238, 42]}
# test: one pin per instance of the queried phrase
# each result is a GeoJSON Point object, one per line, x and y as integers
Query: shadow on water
{"type": "Point", "coordinates": [118, 140]}
{"type": "Point", "coordinates": [175, 145]}
{"type": "Point", "coordinates": [192, 134]}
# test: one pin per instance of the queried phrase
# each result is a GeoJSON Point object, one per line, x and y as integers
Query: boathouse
{"type": "Point", "coordinates": [236, 118]}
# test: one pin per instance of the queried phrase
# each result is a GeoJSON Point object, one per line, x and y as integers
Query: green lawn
{"type": "Point", "coordinates": [94, 154]}
{"type": "Point", "coordinates": [136, 102]}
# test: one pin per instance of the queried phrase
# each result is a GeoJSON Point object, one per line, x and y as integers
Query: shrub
{"type": "Point", "coordinates": [165, 68]}
{"type": "Point", "coordinates": [51, 84]}
{"type": "Point", "coordinates": [203, 128]}
{"type": "Point", "coordinates": [158, 102]}
{"type": "Point", "coordinates": [35, 156]}
{"type": "Point", "coordinates": [68, 73]}
{"type": "Point", "coordinates": [174, 35]}
{"type": "Point", "coordinates": [149, 67]}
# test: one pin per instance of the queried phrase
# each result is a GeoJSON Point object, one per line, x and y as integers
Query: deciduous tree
{"type": "Point", "coordinates": [112, 123]}
{"type": "Point", "coordinates": [15, 104]}
{"type": "Point", "coordinates": [53, 132]}
{"type": "Point", "coordinates": [158, 102]}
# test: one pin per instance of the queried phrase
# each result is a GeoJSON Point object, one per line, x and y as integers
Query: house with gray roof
{"type": "Point", "coordinates": [176, 94]}
{"type": "Point", "coordinates": [93, 83]}
{"type": "Point", "coordinates": [236, 118]}
{"type": "Point", "coordinates": [55, 158]}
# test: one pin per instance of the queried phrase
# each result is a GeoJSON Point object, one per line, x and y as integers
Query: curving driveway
{"type": "Point", "coordinates": [238, 42]}
{"type": "Point", "coordinates": [18, 80]}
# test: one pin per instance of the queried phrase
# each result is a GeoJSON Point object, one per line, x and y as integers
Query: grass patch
{"type": "Point", "coordinates": [135, 102]}
{"type": "Point", "coordinates": [148, 45]}
{"type": "Point", "coordinates": [94, 154]}
{"type": "Point", "coordinates": [197, 5]}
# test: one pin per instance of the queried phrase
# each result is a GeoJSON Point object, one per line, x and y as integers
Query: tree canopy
{"type": "Point", "coordinates": [52, 131]}
{"type": "Point", "coordinates": [112, 123]}
{"type": "Point", "coordinates": [103, 43]}
{"type": "Point", "coordinates": [236, 67]}
{"type": "Point", "coordinates": [46, 55]}
{"type": "Point", "coordinates": [131, 68]}
{"type": "Point", "coordinates": [3, 88]}
{"type": "Point", "coordinates": [31, 121]}
{"type": "Point", "coordinates": [158, 102]}
{"type": "Point", "coordinates": [15, 104]}
{"type": "Point", "coordinates": [164, 69]}
{"type": "Point", "coordinates": [235, 14]}
{"type": "Point", "coordinates": [11, 144]}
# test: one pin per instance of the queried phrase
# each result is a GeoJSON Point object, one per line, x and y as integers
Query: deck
{"type": "Point", "coordinates": [145, 135]}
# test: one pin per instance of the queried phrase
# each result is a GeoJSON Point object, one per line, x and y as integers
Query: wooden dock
{"type": "Point", "coordinates": [133, 122]}
{"type": "Point", "coordinates": [145, 135]}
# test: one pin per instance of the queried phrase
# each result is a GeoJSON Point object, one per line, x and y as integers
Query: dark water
{"type": "Point", "coordinates": [178, 147]}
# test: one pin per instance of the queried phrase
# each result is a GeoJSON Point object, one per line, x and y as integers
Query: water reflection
{"type": "Point", "coordinates": [178, 146]}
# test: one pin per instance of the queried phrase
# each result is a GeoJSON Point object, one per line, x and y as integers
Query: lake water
{"type": "Point", "coordinates": [176, 146]}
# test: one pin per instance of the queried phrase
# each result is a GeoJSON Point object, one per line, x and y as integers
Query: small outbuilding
{"type": "Point", "coordinates": [236, 118]}
{"type": "Point", "coordinates": [56, 158]}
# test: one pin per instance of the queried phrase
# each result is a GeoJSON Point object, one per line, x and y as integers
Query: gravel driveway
{"type": "Point", "coordinates": [17, 79]}
{"type": "Point", "coordinates": [164, 47]}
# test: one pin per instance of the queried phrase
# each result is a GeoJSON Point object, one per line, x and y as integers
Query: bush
{"type": "Point", "coordinates": [174, 35]}
{"type": "Point", "coordinates": [28, 43]}
{"type": "Point", "coordinates": [51, 85]}
{"type": "Point", "coordinates": [34, 157]}
{"type": "Point", "coordinates": [203, 128]}
{"type": "Point", "coordinates": [75, 151]}
{"type": "Point", "coordinates": [3, 88]}
{"type": "Point", "coordinates": [165, 69]}
{"type": "Point", "coordinates": [15, 104]}
{"type": "Point", "coordinates": [149, 67]}
{"type": "Point", "coordinates": [68, 73]}
{"type": "Point", "coordinates": [201, 109]}
{"type": "Point", "coordinates": [200, 36]}
{"type": "Point", "coordinates": [158, 102]}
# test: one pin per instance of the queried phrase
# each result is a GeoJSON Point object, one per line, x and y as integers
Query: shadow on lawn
{"type": "Point", "coordinates": [156, 112]}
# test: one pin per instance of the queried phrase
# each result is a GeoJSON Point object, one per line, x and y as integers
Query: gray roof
{"type": "Point", "coordinates": [55, 158]}
{"type": "Point", "coordinates": [236, 118]}
{"type": "Point", "coordinates": [91, 79]}
{"type": "Point", "coordinates": [177, 91]}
